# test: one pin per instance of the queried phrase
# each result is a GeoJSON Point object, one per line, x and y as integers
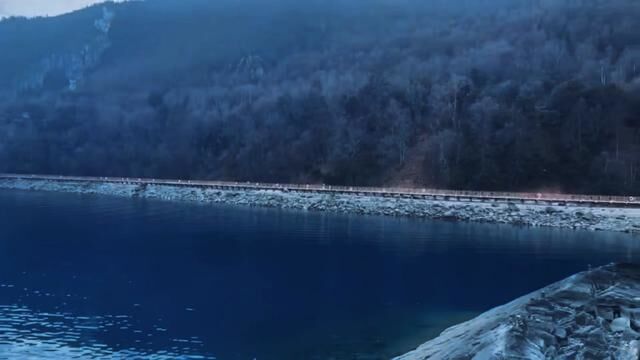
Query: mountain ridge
{"type": "Point", "coordinates": [491, 95]}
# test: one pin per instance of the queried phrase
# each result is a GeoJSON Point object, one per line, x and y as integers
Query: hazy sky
{"type": "Point", "coordinates": [41, 7]}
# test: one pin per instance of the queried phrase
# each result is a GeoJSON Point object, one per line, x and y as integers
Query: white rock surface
{"type": "Point", "coordinates": [566, 320]}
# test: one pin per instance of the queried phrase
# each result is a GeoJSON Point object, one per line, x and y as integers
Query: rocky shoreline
{"type": "Point", "coordinates": [572, 217]}
{"type": "Point", "coordinates": [591, 315]}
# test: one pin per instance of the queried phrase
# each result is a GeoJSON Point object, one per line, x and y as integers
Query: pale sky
{"type": "Point", "coordinates": [41, 7]}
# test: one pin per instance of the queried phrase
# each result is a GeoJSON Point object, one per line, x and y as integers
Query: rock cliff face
{"type": "Point", "coordinates": [67, 69]}
{"type": "Point", "coordinates": [591, 315]}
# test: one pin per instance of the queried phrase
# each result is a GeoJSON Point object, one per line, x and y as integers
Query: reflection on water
{"type": "Point", "coordinates": [106, 278]}
{"type": "Point", "coordinates": [29, 334]}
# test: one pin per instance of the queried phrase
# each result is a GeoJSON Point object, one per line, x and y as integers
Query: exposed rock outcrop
{"type": "Point", "coordinates": [591, 315]}
{"type": "Point", "coordinates": [71, 66]}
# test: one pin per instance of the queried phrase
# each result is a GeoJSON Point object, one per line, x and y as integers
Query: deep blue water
{"type": "Point", "coordinates": [109, 278]}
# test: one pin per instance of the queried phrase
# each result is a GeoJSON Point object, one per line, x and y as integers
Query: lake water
{"type": "Point", "coordinates": [94, 277]}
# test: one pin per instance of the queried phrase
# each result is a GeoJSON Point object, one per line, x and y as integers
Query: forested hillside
{"type": "Point", "coordinates": [486, 94]}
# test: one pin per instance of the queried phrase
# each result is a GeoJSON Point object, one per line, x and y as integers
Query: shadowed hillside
{"type": "Point", "coordinates": [501, 94]}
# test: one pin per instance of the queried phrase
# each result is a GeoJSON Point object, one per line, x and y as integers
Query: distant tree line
{"type": "Point", "coordinates": [493, 95]}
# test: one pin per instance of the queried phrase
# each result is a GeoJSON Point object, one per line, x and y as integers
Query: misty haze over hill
{"type": "Point", "coordinates": [486, 94]}
{"type": "Point", "coordinates": [41, 7]}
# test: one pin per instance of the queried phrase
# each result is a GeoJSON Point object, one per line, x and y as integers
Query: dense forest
{"type": "Point", "coordinates": [483, 94]}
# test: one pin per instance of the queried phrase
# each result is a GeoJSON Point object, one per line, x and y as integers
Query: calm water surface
{"type": "Point", "coordinates": [106, 278]}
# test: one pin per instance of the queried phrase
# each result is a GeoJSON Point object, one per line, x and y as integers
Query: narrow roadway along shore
{"type": "Point", "coordinates": [555, 210]}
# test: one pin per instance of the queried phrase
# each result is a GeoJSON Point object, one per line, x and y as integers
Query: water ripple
{"type": "Point", "coordinates": [26, 333]}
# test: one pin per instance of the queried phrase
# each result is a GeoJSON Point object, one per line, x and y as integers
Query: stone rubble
{"type": "Point", "coordinates": [572, 217]}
